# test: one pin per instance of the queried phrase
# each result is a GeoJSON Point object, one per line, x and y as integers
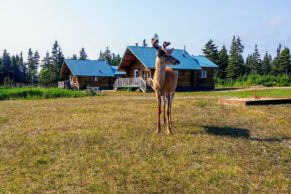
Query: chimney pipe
{"type": "Point", "coordinates": [184, 51]}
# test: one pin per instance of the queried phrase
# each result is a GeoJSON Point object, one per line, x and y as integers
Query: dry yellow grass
{"type": "Point", "coordinates": [106, 144]}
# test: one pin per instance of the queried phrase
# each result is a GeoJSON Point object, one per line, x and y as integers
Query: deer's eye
{"type": "Point", "coordinates": [161, 53]}
{"type": "Point", "coordinates": [166, 57]}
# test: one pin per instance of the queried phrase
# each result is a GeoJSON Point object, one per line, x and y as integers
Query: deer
{"type": "Point", "coordinates": [164, 82]}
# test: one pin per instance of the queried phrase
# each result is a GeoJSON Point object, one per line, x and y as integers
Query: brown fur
{"type": "Point", "coordinates": [170, 81]}
{"type": "Point", "coordinates": [164, 83]}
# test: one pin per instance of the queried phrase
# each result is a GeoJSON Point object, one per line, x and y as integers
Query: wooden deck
{"type": "Point", "coordinates": [252, 102]}
{"type": "Point", "coordinates": [124, 83]}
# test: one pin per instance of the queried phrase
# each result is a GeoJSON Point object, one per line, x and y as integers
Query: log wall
{"type": "Point", "coordinates": [103, 82]}
{"type": "Point", "coordinates": [208, 82]}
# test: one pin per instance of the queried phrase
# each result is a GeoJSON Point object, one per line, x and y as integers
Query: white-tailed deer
{"type": "Point", "coordinates": [164, 82]}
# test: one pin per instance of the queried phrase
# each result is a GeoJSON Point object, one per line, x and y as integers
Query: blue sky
{"type": "Point", "coordinates": [95, 24]}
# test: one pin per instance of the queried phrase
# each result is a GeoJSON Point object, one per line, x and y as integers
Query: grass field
{"type": "Point", "coordinates": [106, 144]}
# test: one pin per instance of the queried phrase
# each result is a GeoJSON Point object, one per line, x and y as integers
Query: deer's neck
{"type": "Point", "coordinates": [160, 74]}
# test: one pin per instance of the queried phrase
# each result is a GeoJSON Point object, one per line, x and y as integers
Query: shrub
{"type": "Point", "coordinates": [39, 93]}
{"type": "Point", "coordinates": [255, 79]}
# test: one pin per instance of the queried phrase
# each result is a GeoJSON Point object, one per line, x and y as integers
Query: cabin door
{"type": "Point", "coordinates": [135, 73]}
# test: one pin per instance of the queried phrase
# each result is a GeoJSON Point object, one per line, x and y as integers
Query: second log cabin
{"type": "Point", "coordinates": [194, 72]}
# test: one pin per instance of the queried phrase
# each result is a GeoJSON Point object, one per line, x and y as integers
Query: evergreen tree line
{"type": "Point", "coordinates": [233, 66]}
{"type": "Point", "coordinates": [110, 57]}
{"type": "Point", "coordinates": [13, 69]}
{"type": "Point", "coordinates": [106, 55]}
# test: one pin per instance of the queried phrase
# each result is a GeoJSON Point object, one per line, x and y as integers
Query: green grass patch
{"type": "Point", "coordinates": [40, 93]}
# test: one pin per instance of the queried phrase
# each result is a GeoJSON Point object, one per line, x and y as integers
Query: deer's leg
{"type": "Point", "coordinates": [169, 130]}
{"type": "Point", "coordinates": [158, 96]}
{"type": "Point", "coordinates": [171, 101]}
{"type": "Point", "coordinates": [164, 110]}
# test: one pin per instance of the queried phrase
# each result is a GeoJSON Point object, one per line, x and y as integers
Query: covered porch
{"type": "Point", "coordinates": [134, 68]}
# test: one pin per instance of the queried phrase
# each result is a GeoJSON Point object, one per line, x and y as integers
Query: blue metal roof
{"type": "Point", "coordinates": [147, 56]}
{"type": "Point", "coordinates": [96, 68]}
{"type": "Point", "coordinates": [205, 62]}
{"type": "Point", "coordinates": [114, 70]}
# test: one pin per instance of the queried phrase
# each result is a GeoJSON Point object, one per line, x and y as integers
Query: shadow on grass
{"type": "Point", "coordinates": [239, 133]}
{"type": "Point", "coordinates": [227, 131]}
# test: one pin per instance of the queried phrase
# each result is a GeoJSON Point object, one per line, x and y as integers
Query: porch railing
{"type": "Point", "coordinates": [64, 84]}
{"type": "Point", "coordinates": [130, 83]}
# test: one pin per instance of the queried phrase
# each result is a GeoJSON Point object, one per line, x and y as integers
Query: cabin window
{"type": "Point", "coordinates": [95, 79]}
{"type": "Point", "coordinates": [74, 79]}
{"type": "Point", "coordinates": [146, 74]}
{"type": "Point", "coordinates": [203, 74]}
{"type": "Point", "coordinates": [182, 73]}
{"type": "Point", "coordinates": [176, 72]}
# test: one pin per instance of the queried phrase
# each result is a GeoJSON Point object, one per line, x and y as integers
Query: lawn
{"type": "Point", "coordinates": [106, 144]}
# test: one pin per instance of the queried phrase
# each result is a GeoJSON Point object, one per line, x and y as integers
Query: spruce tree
{"type": "Point", "coordinates": [210, 51]}
{"type": "Point", "coordinates": [256, 66]}
{"type": "Point", "coordinates": [249, 64]}
{"type": "Point", "coordinates": [1, 71]}
{"type": "Point", "coordinates": [51, 66]}
{"type": "Point", "coordinates": [222, 63]}
{"type": "Point", "coordinates": [83, 55]}
{"type": "Point", "coordinates": [46, 61]}
{"type": "Point", "coordinates": [57, 59]}
{"type": "Point", "coordinates": [275, 64]}
{"type": "Point", "coordinates": [36, 58]}
{"type": "Point", "coordinates": [233, 58]}
{"type": "Point", "coordinates": [45, 75]}
{"type": "Point", "coordinates": [113, 62]}
{"type": "Point", "coordinates": [7, 71]}
{"type": "Point", "coordinates": [30, 65]}
{"type": "Point", "coordinates": [74, 57]}
{"type": "Point", "coordinates": [235, 67]}
{"type": "Point", "coordinates": [156, 36]}
{"type": "Point", "coordinates": [106, 56]}
{"type": "Point", "coordinates": [115, 59]}
{"type": "Point", "coordinates": [266, 64]}
{"type": "Point", "coordinates": [240, 68]}
{"type": "Point", "coordinates": [16, 68]}
{"type": "Point", "coordinates": [23, 69]}
{"type": "Point", "coordinates": [285, 62]}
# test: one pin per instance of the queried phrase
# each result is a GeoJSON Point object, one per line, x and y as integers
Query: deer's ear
{"type": "Point", "coordinates": [155, 44]}
{"type": "Point", "coordinates": [166, 44]}
{"type": "Point", "coordinates": [170, 51]}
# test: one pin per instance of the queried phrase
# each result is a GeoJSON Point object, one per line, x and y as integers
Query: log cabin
{"type": "Point", "coordinates": [205, 77]}
{"type": "Point", "coordinates": [194, 72]}
{"type": "Point", "coordinates": [84, 74]}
